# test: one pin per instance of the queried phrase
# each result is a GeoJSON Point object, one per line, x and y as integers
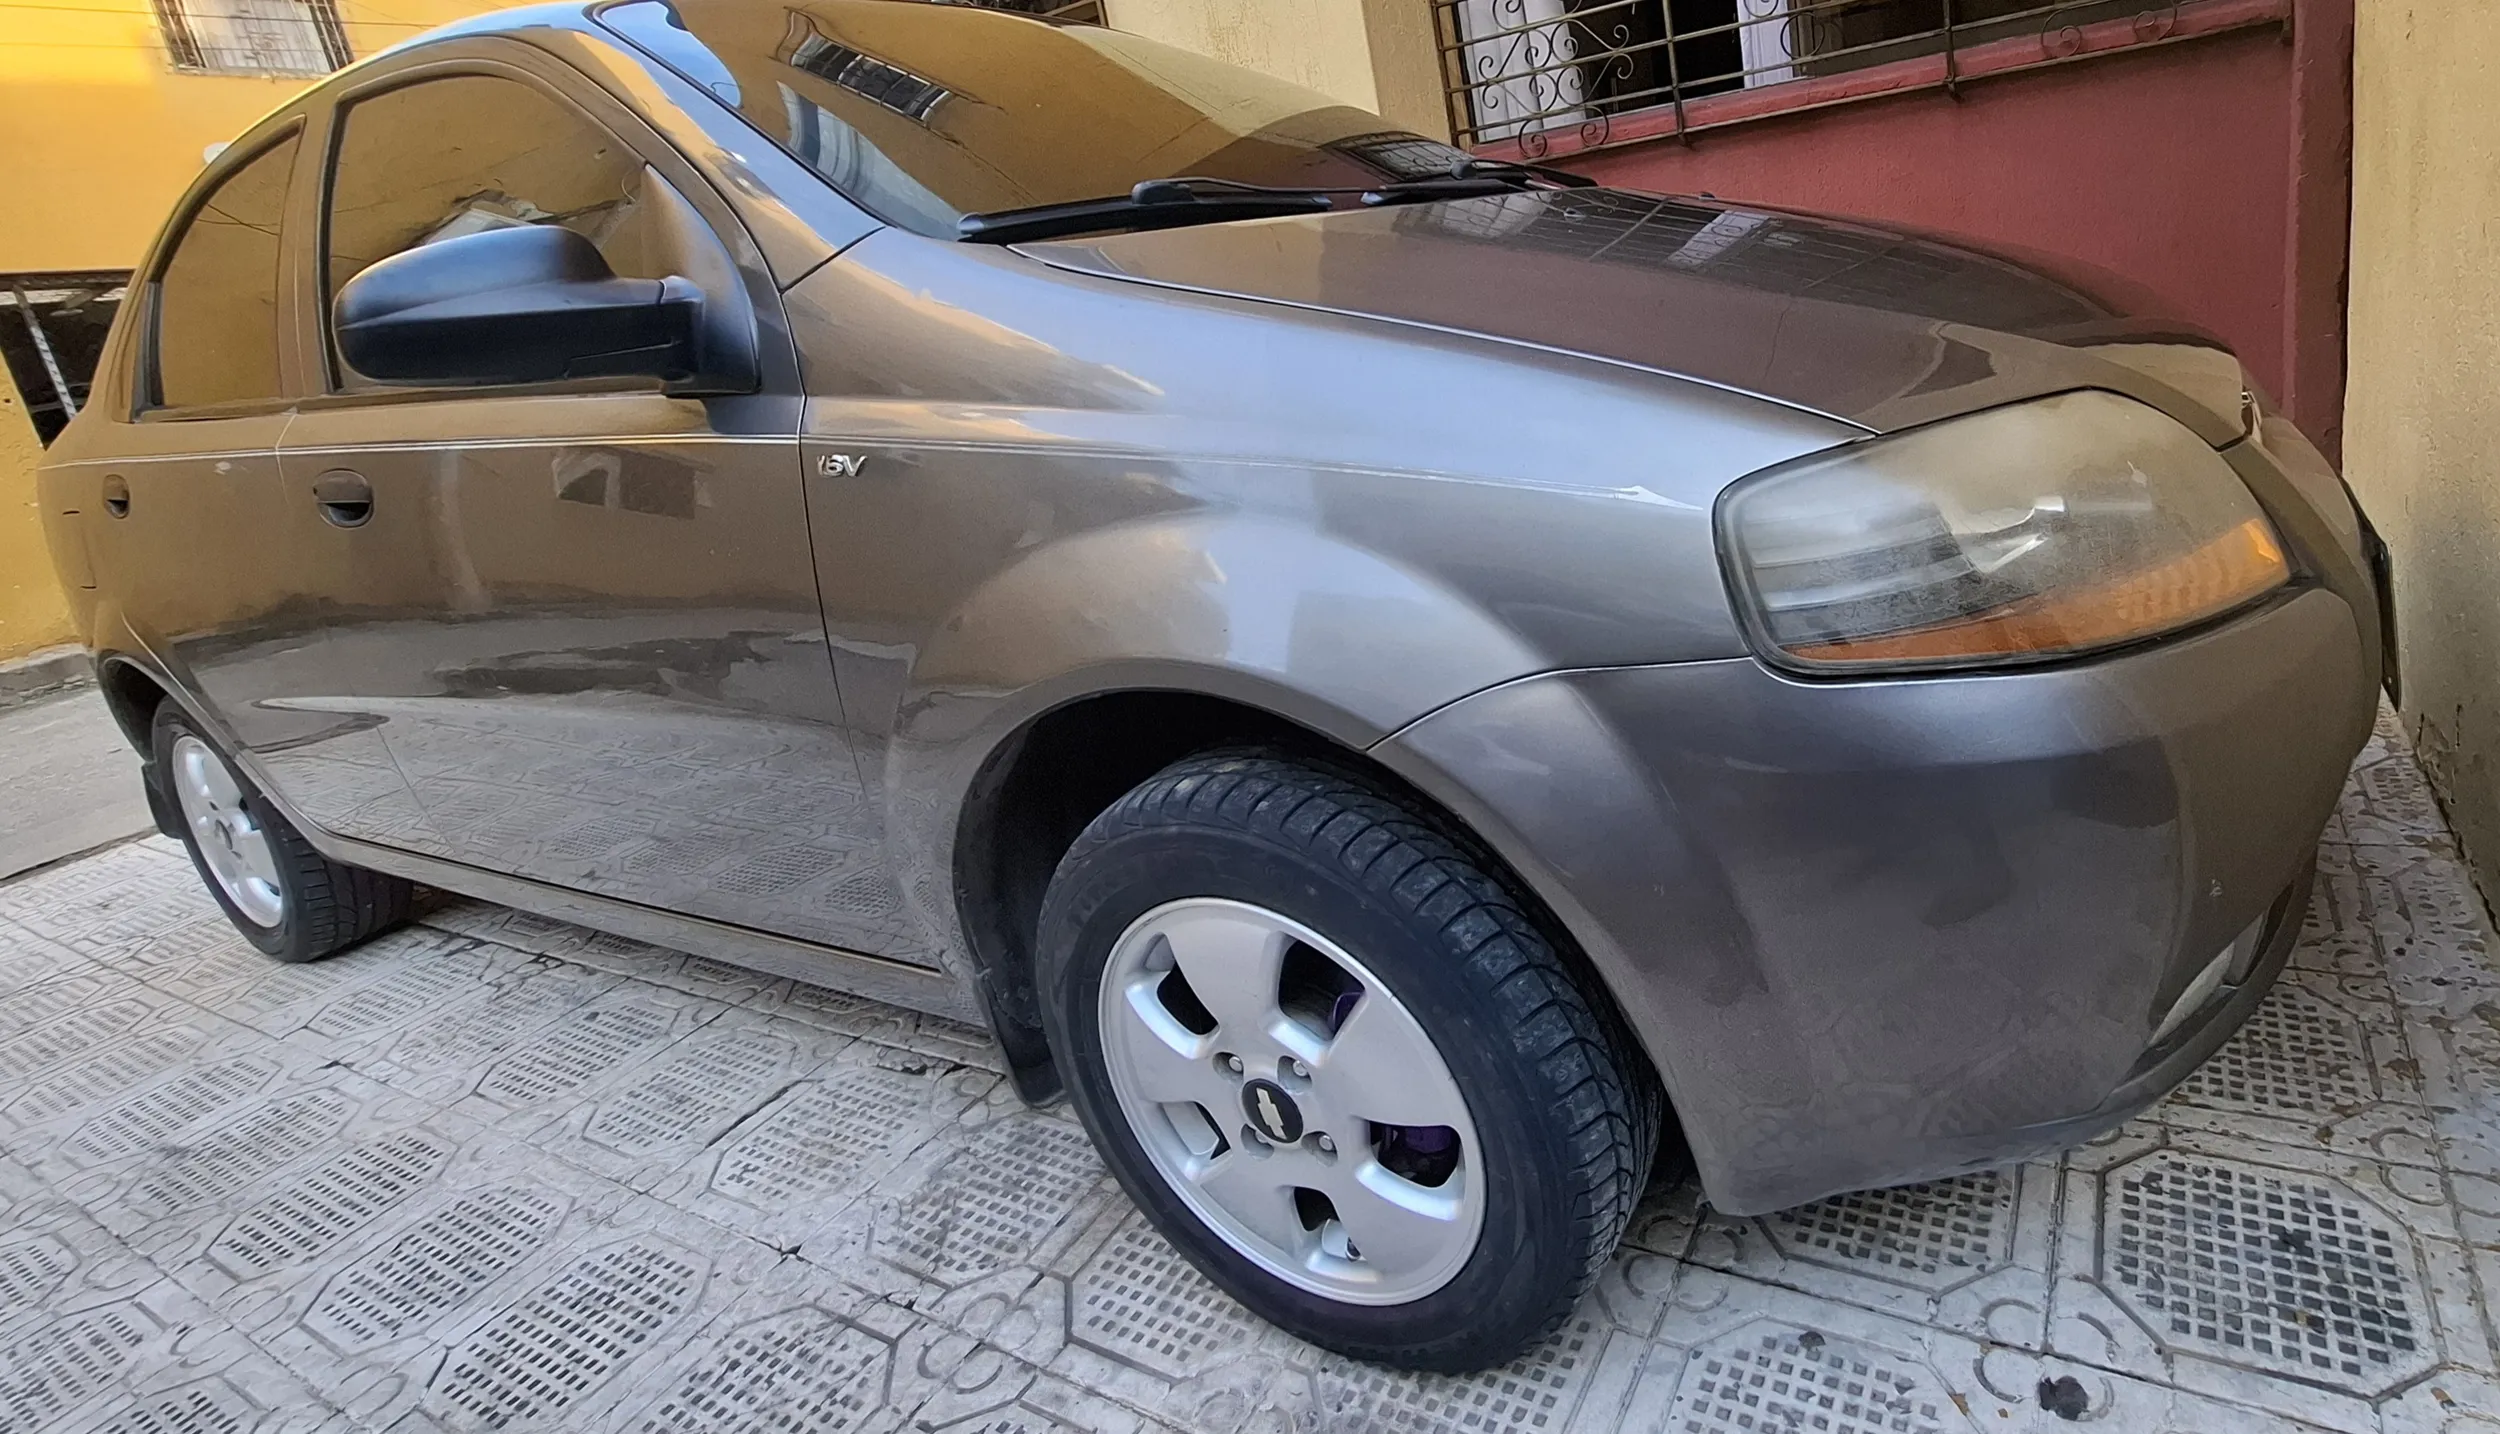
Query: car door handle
{"type": "Point", "coordinates": [346, 499]}
{"type": "Point", "coordinates": [117, 495]}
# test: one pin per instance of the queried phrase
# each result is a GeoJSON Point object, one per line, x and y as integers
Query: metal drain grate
{"type": "Point", "coordinates": [991, 1204]}
{"type": "Point", "coordinates": [819, 1138]}
{"type": "Point", "coordinates": [1534, 1393]}
{"type": "Point", "coordinates": [213, 1408]}
{"type": "Point", "coordinates": [691, 1092]}
{"type": "Point", "coordinates": [334, 1201]}
{"type": "Point", "coordinates": [543, 1353]}
{"type": "Point", "coordinates": [155, 1116]}
{"type": "Point", "coordinates": [2296, 1056]}
{"type": "Point", "coordinates": [238, 1154]}
{"type": "Point", "coordinates": [1139, 1300]}
{"type": "Point", "coordinates": [55, 1369]}
{"type": "Point", "coordinates": [2292, 1275]}
{"type": "Point", "coordinates": [582, 1047]}
{"type": "Point", "coordinates": [798, 1370]}
{"type": "Point", "coordinates": [449, 1256]}
{"type": "Point", "coordinates": [65, 1036]}
{"type": "Point", "coordinates": [105, 1074]}
{"type": "Point", "coordinates": [401, 994]}
{"type": "Point", "coordinates": [1925, 1234]}
{"type": "Point", "coordinates": [30, 1268]}
{"type": "Point", "coordinates": [1786, 1379]}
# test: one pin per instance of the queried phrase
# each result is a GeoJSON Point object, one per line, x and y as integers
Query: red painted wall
{"type": "Point", "coordinates": [2173, 165]}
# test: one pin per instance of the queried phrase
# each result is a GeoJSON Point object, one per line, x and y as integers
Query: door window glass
{"type": "Point", "coordinates": [466, 153]}
{"type": "Point", "coordinates": [217, 298]}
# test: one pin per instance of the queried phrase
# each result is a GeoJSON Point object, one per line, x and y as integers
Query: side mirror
{"type": "Point", "coordinates": [520, 305]}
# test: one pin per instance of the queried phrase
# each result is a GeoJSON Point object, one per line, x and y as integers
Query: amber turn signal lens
{"type": "Point", "coordinates": [2241, 564]}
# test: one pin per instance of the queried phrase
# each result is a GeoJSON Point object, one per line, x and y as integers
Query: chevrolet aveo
{"type": "Point", "coordinates": [1398, 682]}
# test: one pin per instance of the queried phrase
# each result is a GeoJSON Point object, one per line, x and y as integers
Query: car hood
{"type": "Point", "coordinates": [1878, 327]}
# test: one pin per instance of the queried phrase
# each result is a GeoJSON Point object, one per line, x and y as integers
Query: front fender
{"type": "Point", "coordinates": [1292, 622]}
{"type": "Point", "coordinates": [1317, 629]}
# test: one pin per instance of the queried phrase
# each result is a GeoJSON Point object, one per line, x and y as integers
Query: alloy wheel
{"type": "Point", "coordinates": [231, 841]}
{"type": "Point", "coordinates": [1291, 1101]}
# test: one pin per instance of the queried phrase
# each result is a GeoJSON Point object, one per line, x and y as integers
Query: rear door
{"type": "Point", "coordinates": [195, 542]}
{"type": "Point", "coordinates": [583, 616]}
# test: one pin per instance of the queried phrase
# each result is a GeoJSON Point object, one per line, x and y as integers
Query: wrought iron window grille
{"type": "Point", "coordinates": [254, 37]}
{"type": "Point", "coordinates": [1549, 75]}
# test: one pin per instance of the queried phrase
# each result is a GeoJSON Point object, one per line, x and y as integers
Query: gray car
{"type": "Point", "coordinates": [1402, 685]}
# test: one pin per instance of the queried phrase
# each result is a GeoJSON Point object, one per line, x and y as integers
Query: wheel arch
{"type": "Point", "coordinates": [1036, 790]}
{"type": "Point", "coordinates": [132, 693]}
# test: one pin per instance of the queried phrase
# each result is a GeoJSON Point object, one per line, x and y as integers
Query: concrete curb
{"type": "Point", "coordinates": [40, 674]}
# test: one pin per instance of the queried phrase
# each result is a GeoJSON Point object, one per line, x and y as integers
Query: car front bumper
{"type": "Point", "coordinates": [1881, 931]}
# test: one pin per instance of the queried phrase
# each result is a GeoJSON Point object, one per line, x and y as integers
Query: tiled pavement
{"type": "Point", "coordinates": [495, 1172]}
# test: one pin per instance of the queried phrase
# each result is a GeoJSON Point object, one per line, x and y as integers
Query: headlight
{"type": "Point", "coordinates": [2024, 533]}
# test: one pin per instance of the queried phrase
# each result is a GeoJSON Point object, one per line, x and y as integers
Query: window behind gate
{"type": "Point", "coordinates": [254, 37]}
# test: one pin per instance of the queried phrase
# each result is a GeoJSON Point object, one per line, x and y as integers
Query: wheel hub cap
{"type": "Point", "coordinates": [1291, 1101]}
{"type": "Point", "coordinates": [231, 842]}
{"type": "Point", "coordinates": [1272, 1112]}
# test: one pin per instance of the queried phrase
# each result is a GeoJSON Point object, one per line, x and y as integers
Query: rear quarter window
{"type": "Point", "coordinates": [217, 296]}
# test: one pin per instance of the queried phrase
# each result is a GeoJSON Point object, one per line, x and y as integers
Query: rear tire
{"type": "Point", "coordinates": [1413, 984]}
{"type": "Point", "coordinates": [286, 898]}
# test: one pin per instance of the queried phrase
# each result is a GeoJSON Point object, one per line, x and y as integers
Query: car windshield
{"type": "Point", "coordinates": [925, 113]}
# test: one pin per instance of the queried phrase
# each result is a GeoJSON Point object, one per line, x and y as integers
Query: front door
{"type": "Point", "coordinates": [584, 618]}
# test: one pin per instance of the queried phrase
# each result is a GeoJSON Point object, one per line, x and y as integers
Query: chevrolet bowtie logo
{"type": "Point", "coordinates": [1272, 1113]}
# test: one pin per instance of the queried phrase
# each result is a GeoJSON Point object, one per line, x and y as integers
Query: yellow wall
{"type": "Point", "coordinates": [2422, 412]}
{"type": "Point", "coordinates": [1374, 54]}
{"type": "Point", "coordinates": [32, 614]}
{"type": "Point", "coordinates": [99, 135]}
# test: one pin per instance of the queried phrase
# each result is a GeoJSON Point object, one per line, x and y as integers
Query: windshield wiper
{"type": "Point", "coordinates": [1472, 167]}
{"type": "Point", "coordinates": [1203, 199]}
{"type": "Point", "coordinates": [1155, 204]}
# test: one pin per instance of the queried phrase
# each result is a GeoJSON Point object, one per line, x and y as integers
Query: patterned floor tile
{"type": "Point", "coordinates": [495, 1171]}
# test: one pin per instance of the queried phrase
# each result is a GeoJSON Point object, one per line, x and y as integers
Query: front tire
{"type": "Point", "coordinates": [286, 898]}
{"type": "Point", "coordinates": [1332, 1058]}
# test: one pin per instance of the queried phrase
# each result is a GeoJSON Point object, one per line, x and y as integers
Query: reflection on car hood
{"type": "Point", "coordinates": [1877, 327]}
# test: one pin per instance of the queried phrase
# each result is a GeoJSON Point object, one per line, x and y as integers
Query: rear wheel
{"type": "Point", "coordinates": [286, 898]}
{"type": "Point", "coordinates": [1333, 1059]}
